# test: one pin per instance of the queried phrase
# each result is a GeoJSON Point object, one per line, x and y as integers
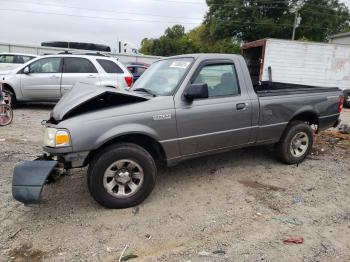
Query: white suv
{"type": "Point", "coordinates": [49, 77]}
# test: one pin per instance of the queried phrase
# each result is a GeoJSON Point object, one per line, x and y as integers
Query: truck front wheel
{"type": "Point", "coordinates": [121, 175]}
{"type": "Point", "coordinates": [295, 143]}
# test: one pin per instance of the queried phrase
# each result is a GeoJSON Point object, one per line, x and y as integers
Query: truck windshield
{"type": "Point", "coordinates": [163, 76]}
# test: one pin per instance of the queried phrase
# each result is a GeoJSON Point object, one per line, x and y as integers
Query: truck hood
{"type": "Point", "coordinates": [84, 98]}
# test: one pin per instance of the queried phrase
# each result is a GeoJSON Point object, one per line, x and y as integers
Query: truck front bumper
{"type": "Point", "coordinates": [29, 178]}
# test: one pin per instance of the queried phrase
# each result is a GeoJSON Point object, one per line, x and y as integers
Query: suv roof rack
{"type": "Point", "coordinates": [81, 53]}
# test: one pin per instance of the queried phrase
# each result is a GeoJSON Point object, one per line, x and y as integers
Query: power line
{"type": "Point", "coordinates": [176, 17]}
{"type": "Point", "coordinates": [96, 17]}
{"type": "Point", "coordinates": [149, 21]}
{"type": "Point", "coordinates": [103, 10]}
{"type": "Point", "coordinates": [308, 11]}
{"type": "Point", "coordinates": [172, 17]}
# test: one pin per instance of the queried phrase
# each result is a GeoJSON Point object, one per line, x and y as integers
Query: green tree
{"type": "Point", "coordinates": [205, 44]}
{"type": "Point", "coordinates": [250, 20]}
{"type": "Point", "coordinates": [175, 41]}
{"type": "Point", "coordinates": [321, 18]}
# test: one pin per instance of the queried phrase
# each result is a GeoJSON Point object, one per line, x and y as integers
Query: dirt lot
{"type": "Point", "coordinates": [237, 206]}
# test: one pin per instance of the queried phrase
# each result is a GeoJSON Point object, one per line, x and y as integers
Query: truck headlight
{"type": "Point", "coordinates": [56, 137]}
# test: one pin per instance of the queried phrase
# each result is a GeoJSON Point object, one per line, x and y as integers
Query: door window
{"type": "Point", "coordinates": [221, 80]}
{"type": "Point", "coordinates": [46, 65]}
{"type": "Point", "coordinates": [78, 65]}
{"type": "Point", "coordinates": [7, 59]}
{"type": "Point", "coordinates": [110, 67]}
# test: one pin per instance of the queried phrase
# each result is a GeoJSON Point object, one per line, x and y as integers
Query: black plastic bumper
{"type": "Point", "coordinates": [29, 178]}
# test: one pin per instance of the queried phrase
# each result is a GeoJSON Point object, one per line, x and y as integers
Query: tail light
{"type": "Point", "coordinates": [128, 80]}
{"type": "Point", "coordinates": [341, 103]}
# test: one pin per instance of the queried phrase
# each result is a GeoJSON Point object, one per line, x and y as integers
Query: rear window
{"type": "Point", "coordinates": [78, 65]}
{"type": "Point", "coordinates": [110, 67]}
{"type": "Point", "coordinates": [7, 59]}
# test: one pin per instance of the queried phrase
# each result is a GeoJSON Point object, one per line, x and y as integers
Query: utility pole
{"type": "Point", "coordinates": [297, 19]}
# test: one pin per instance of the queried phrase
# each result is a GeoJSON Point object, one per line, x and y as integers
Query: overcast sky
{"type": "Point", "coordinates": [102, 21]}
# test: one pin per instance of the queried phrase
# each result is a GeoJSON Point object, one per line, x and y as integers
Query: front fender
{"type": "Point", "coordinates": [14, 84]}
{"type": "Point", "coordinates": [126, 129]}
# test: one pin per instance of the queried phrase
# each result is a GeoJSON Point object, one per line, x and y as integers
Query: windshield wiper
{"type": "Point", "coordinates": [145, 91]}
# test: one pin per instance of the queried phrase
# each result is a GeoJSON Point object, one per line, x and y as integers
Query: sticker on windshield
{"type": "Point", "coordinates": [180, 64]}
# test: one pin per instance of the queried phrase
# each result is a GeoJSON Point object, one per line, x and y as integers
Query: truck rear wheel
{"type": "Point", "coordinates": [121, 176]}
{"type": "Point", "coordinates": [295, 143]}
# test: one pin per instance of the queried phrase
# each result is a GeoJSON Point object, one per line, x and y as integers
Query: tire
{"type": "Point", "coordinates": [6, 115]}
{"type": "Point", "coordinates": [295, 144]}
{"type": "Point", "coordinates": [347, 100]}
{"type": "Point", "coordinates": [12, 97]}
{"type": "Point", "coordinates": [117, 164]}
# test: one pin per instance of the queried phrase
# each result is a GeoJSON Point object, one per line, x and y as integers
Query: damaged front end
{"type": "Point", "coordinates": [84, 98]}
{"type": "Point", "coordinates": [29, 177]}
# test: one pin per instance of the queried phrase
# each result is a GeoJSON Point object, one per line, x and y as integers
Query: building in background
{"type": "Point", "coordinates": [127, 48]}
{"type": "Point", "coordinates": [343, 39]}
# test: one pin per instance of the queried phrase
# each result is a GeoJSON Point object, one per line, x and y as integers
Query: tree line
{"type": "Point", "coordinates": [228, 23]}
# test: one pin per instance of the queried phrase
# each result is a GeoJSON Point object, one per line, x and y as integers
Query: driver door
{"type": "Point", "coordinates": [223, 120]}
{"type": "Point", "coordinates": [43, 81]}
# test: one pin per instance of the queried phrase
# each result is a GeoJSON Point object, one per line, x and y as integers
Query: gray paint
{"type": "Point", "coordinates": [184, 129]}
{"type": "Point", "coordinates": [195, 128]}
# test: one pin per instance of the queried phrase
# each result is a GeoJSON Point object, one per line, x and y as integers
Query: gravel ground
{"type": "Point", "coordinates": [237, 206]}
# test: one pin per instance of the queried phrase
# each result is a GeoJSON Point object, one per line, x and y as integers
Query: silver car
{"type": "Point", "coordinates": [10, 61]}
{"type": "Point", "coordinates": [48, 78]}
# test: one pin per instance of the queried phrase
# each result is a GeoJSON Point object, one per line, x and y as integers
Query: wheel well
{"type": "Point", "coordinates": [146, 142]}
{"type": "Point", "coordinates": [8, 87]}
{"type": "Point", "coordinates": [308, 117]}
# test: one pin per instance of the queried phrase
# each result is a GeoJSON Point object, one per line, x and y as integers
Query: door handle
{"type": "Point", "coordinates": [91, 76]}
{"type": "Point", "coordinates": [241, 106]}
{"type": "Point", "coordinates": [54, 76]}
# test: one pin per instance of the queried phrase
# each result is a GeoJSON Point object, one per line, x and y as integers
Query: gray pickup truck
{"type": "Point", "coordinates": [182, 107]}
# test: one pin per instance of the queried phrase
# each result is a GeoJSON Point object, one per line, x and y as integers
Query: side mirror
{"type": "Point", "coordinates": [196, 91]}
{"type": "Point", "coordinates": [26, 70]}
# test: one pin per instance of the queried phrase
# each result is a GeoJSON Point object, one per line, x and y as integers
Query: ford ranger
{"type": "Point", "coordinates": [182, 107]}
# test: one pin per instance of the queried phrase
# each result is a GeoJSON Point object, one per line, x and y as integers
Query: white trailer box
{"type": "Point", "coordinates": [297, 62]}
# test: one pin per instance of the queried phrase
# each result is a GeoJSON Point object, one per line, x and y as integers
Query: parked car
{"type": "Point", "coordinates": [10, 61]}
{"type": "Point", "coordinates": [49, 77]}
{"type": "Point", "coordinates": [137, 70]}
{"type": "Point", "coordinates": [183, 107]}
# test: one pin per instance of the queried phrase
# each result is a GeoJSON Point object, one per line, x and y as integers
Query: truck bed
{"type": "Point", "coordinates": [276, 89]}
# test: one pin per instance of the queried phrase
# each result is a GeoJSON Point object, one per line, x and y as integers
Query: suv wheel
{"type": "Point", "coordinates": [121, 176]}
{"type": "Point", "coordinates": [347, 100]}
{"type": "Point", "coordinates": [10, 97]}
{"type": "Point", "coordinates": [295, 143]}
